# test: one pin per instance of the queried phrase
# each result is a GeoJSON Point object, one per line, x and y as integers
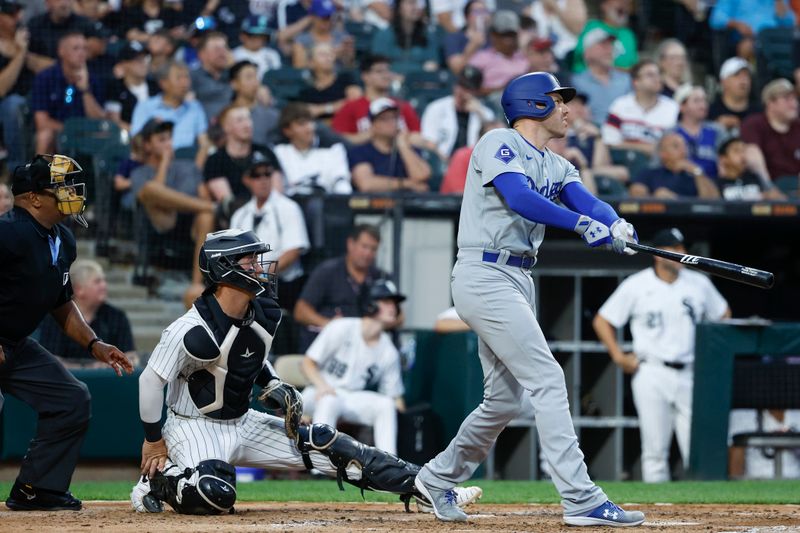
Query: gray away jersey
{"type": "Point", "coordinates": [486, 221]}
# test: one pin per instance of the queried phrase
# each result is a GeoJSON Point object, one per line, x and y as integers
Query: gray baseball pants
{"type": "Point", "coordinates": [497, 302]}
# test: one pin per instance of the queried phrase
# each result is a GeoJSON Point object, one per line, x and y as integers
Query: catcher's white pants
{"type": "Point", "coordinates": [367, 408]}
{"type": "Point", "coordinates": [255, 439]}
{"type": "Point", "coordinates": [663, 398]}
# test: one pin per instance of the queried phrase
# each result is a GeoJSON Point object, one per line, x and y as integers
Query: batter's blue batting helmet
{"type": "Point", "coordinates": [526, 96]}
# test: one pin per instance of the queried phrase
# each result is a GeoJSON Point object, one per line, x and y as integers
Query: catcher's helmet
{"type": "Point", "coordinates": [383, 289]}
{"type": "Point", "coordinates": [526, 96]}
{"type": "Point", "coordinates": [219, 262]}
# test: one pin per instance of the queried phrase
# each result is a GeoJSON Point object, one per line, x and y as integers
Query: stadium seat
{"type": "Point", "coordinates": [88, 136]}
{"type": "Point", "coordinates": [286, 82]}
{"type": "Point", "coordinates": [288, 369]}
{"type": "Point", "coordinates": [106, 213]}
{"type": "Point", "coordinates": [421, 87]}
{"type": "Point", "coordinates": [635, 161]}
{"type": "Point", "coordinates": [362, 33]}
{"type": "Point", "coordinates": [774, 54]}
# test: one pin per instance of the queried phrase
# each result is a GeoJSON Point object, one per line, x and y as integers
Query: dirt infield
{"type": "Point", "coordinates": [335, 518]}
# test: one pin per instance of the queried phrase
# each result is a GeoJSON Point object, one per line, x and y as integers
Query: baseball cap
{"type": "Point", "coordinates": [154, 126]}
{"type": "Point", "coordinates": [668, 237]}
{"type": "Point", "coordinates": [35, 176]}
{"type": "Point", "coordinates": [260, 159]}
{"type": "Point", "coordinates": [505, 21]}
{"type": "Point", "coordinates": [682, 93]}
{"type": "Point", "coordinates": [131, 50]}
{"type": "Point", "coordinates": [776, 88]}
{"type": "Point", "coordinates": [470, 78]}
{"type": "Point", "coordinates": [9, 7]}
{"type": "Point", "coordinates": [540, 44]}
{"type": "Point", "coordinates": [381, 105]}
{"type": "Point", "coordinates": [202, 24]}
{"type": "Point", "coordinates": [596, 36]}
{"type": "Point", "coordinates": [322, 8]}
{"type": "Point", "coordinates": [732, 66]}
{"type": "Point", "coordinates": [256, 25]}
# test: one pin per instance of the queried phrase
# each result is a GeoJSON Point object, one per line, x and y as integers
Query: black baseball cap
{"type": "Point", "coordinates": [471, 78]}
{"type": "Point", "coordinates": [261, 159]}
{"type": "Point", "coordinates": [35, 176]}
{"type": "Point", "coordinates": [9, 7]}
{"type": "Point", "coordinates": [154, 126]}
{"type": "Point", "coordinates": [668, 237]}
{"type": "Point", "coordinates": [131, 50]}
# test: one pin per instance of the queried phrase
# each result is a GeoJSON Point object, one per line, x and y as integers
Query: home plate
{"type": "Point", "coordinates": [662, 523]}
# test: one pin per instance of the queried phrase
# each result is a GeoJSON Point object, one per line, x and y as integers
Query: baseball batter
{"type": "Point", "coordinates": [209, 359]}
{"type": "Point", "coordinates": [513, 190]}
{"type": "Point", "coordinates": [663, 305]}
{"type": "Point", "coordinates": [352, 355]}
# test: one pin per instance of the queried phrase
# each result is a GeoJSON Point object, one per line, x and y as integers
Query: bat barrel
{"type": "Point", "coordinates": [742, 274]}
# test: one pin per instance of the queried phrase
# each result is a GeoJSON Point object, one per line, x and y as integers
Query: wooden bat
{"type": "Point", "coordinates": [751, 276]}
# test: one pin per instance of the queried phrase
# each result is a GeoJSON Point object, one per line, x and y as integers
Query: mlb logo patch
{"type": "Point", "coordinates": [505, 154]}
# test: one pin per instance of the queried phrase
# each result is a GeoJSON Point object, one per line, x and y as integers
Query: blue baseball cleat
{"type": "Point", "coordinates": [607, 514]}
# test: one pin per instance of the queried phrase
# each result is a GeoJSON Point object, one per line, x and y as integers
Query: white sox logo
{"type": "Point", "coordinates": [690, 260]}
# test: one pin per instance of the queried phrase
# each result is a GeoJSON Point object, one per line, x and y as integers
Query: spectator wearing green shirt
{"type": "Point", "coordinates": [615, 15]}
{"type": "Point", "coordinates": [409, 39]}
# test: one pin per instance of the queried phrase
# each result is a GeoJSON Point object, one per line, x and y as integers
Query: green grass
{"type": "Point", "coordinates": [519, 492]}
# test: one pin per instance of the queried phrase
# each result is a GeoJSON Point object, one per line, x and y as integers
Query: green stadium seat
{"type": "Point", "coordinates": [774, 54]}
{"type": "Point", "coordinates": [286, 82]}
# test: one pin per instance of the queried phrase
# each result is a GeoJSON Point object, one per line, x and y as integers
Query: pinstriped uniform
{"type": "Point", "coordinates": [253, 439]}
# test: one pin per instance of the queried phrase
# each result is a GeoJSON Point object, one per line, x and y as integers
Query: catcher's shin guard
{"type": "Point", "coordinates": [380, 471]}
{"type": "Point", "coordinates": [209, 488]}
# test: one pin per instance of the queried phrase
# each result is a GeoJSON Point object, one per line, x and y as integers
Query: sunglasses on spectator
{"type": "Point", "coordinates": [262, 174]}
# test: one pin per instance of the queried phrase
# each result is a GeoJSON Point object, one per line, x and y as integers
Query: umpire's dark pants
{"type": "Point", "coordinates": [34, 376]}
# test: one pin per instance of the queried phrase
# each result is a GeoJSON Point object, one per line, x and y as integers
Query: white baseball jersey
{"type": "Point", "coordinates": [346, 362]}
{"type": "Point", "coordinates": [486, 221]}
{"type": "Point", "coordinates": [327, 168]}
{"type": "Point", "coordinates": [663, 315]}
{"type": "Point", "coordinates": [627, 121]}
{"type": "Point", "coordinates": [280, 224]}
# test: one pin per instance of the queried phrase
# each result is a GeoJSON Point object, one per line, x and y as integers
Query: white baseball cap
{"type": "Point", "coordinates": [379, 105]}
{"type": "Point", "coordinates": [733, 65]}
{"type": "Point", "coordinates": [596, 36]}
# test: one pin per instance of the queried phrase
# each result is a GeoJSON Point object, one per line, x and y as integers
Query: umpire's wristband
{"type": "Point", "coordinates": [152, 431]}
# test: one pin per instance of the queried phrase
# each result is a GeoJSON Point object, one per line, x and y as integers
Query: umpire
{"type": "Point", "coordinates": [37, 251]}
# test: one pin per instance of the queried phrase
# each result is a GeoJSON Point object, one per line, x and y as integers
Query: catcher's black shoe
{"type": "Point", "coordinates": [25, 497]}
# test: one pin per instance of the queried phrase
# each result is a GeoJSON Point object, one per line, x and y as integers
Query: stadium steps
{"type": "Point", "coordinates": [148, 315]}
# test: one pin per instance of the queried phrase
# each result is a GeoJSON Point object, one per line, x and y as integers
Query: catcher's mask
{"type": "Point", "coordinates": [221, 262]}
{"type": "Point", "coordinates": [54, 175]}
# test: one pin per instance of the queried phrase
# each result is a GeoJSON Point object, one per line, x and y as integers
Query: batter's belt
{"type": "Point", "coordinates": [500, 257]}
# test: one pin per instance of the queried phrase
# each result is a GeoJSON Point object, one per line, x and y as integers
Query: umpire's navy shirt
{"type": "Point", "coordinates": [31, 282]}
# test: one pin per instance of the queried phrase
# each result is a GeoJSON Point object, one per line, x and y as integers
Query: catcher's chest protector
{"type": "Point", "coordinates": [228, 357]}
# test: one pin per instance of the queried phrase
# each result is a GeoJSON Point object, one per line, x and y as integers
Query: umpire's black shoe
{"type": "Point", "coordinates": [24, 497]}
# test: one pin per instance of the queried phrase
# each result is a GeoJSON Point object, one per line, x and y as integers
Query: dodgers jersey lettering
{"type": "Point", "coordinates": [486, 221]}
{"type": "Point", "coordinates": [663, 315]}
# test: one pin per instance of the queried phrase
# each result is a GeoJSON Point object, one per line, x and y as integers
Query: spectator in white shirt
{"type": "Point", "coordinates": [455, 121]}
{"type": "Point", "coordinates": [306, 166]}
{"type": "Point", "coordinates": [254, 36]}
{"type": "Point", "coordinates": [278, 221]}
{"type": "Point", "coordinates": [637, 120]}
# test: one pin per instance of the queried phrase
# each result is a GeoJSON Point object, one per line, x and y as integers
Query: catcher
{"type": "Point", "coordinates": [209, 359]}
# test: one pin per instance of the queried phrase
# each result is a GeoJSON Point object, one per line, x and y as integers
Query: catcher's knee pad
{"type": "Point", "coordinates": [209, 488]}
{"type": "Point", "coordinates": [380, 470]}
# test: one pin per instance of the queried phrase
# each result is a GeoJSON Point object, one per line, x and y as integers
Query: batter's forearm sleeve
{"type": "Point", "coordinates": [151, 398]}
{"type": "Point", "coordinates": [578, 198]}
{"type": "Point", "coordinates": [528, 203]}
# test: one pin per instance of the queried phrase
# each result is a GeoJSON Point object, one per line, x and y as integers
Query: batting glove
{"type": "Point", "coordinates": [625, 232]}
{"type": "Point", "coordinates": [596, 234]}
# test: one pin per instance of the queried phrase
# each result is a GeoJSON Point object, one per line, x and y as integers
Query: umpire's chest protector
{"type": "Point", "coordinates": [228, 355]}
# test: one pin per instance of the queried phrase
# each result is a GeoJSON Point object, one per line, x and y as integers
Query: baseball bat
{"type": "Point", "coordinates": [751, 276]}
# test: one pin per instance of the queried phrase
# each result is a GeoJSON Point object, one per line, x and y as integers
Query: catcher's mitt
{"type": "Point", "coordinates": [284, 400]}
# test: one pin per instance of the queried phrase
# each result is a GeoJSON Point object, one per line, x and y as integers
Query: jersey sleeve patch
{"type": "Point", "coordinates": [505, 154]}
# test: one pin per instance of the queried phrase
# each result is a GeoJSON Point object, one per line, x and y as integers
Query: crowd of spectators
{"type": "Point", "coordinates": [323, 94]}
